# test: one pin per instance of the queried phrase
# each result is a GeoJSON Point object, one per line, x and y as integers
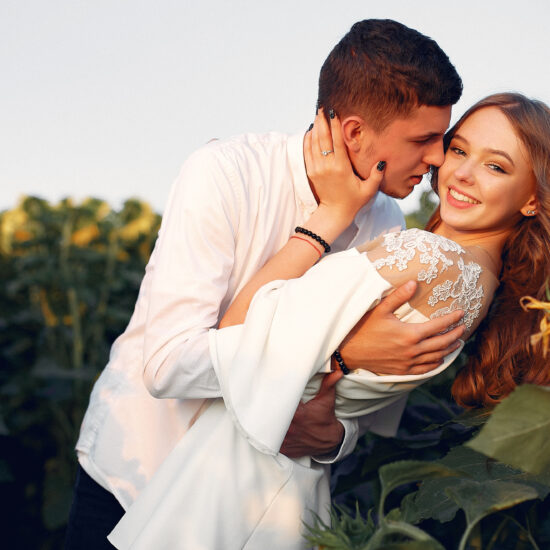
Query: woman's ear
{"type": "Point", "coordinates": [530, 207]}
{"type": "Point", "coordinates": [356, 133]}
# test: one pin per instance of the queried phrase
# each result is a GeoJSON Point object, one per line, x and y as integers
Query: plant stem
{"type": "Point", "coordinates": [497, 533]}
{"type": "Point", "coordinates": [526, 530]}
{"type": "Point", "coordinates": [466, 536]}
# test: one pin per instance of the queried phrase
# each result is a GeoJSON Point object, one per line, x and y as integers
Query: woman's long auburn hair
{"type": "Point", "coordinates": [502, 356]}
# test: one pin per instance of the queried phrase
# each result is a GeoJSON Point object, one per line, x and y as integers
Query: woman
{"type": "Point", "coordinates": [493, 188]}
{"type": "Point", "coordinates": [502, 357]}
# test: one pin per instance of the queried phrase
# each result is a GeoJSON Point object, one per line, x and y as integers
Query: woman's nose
{"type": "Point", "coordinates": [464, 172]}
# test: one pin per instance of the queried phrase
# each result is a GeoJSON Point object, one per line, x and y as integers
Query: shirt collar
{"type": "Point", "coordinates": [365, 209]}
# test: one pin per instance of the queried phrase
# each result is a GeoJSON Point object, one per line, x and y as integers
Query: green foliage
{"type": "Point", "coordinates": [481, 499]}
{"type": "Point", "coordinates": [420, 217]}
{"type": "Point", "coordinates": [517, 432]}
{"type": "Point", "coordinates": [433, 498]}
{"type": "Point", "coordinates": [69, 280]}
{"type": "Point", "coordinates": [463, 499]}
{"type": "Point", "coordinates": [406, 471]}
{"type": "Point", "coordinates": [398, 534]}
{"type": "Point", "coordinates": [346, 532]}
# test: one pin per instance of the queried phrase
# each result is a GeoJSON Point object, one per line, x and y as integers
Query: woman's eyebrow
{"type": "Point", "coordinates": [492, 151]}
{"type": "Point", "coordinates": [503, 154]}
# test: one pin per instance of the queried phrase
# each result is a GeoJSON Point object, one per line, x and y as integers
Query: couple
{"type": "Point", "coordinates": [234, 208]}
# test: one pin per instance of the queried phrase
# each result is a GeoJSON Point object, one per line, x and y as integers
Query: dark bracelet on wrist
{"type": "Point", "coordinates": [315, 237]}
{"type": "Point", "coordinates": [340, 361]}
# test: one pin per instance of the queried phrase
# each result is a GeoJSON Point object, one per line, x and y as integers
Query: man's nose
{"type": "Point", "coordinates": [434, 154]}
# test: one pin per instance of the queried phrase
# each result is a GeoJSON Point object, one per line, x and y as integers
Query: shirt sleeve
{"type": "Point", "coordinates": [384, 422]}
{"type": "Point", "coordinates": [193, 260]}
{"type": "Point", "coordinates": [351, 435]}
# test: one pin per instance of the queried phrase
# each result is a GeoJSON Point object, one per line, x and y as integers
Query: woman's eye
{"type": "Point", "coordinates": [496, 168]}
{"type": "Point", "coordinates": [457, 151]}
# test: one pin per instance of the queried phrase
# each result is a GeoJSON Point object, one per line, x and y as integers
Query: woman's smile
{"type": "Point", "coordinates": [459, 199]}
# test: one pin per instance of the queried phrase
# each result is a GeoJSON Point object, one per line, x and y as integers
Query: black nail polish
{"type": "Point", "coordinates": [310, 127]}
{"type": "Point", "coordinates": [331, 113]}
{"type": "Point", "coordinates": [381, 165]}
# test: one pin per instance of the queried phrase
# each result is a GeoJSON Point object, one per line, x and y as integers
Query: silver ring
{"type": "Point", "coordinates": [325, 153]}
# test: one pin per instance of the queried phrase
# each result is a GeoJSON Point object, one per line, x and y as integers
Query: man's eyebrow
{"type": "Point", "coordinates": [427, 136]}
{"type": "Point", "coordinates": [492, 151]}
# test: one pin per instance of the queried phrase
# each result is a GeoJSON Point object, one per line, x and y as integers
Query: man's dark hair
{"type": "Point", "coordinates": [382, 70]}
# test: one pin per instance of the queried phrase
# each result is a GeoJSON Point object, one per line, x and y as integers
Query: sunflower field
{"type": "Point", "coordinates": [70, 275]}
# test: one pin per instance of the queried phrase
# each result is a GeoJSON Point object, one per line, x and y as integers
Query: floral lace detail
{"type": "Point", "coordinates": [404, 246]}
{"type": "Point", "coordinates": [465, 292]}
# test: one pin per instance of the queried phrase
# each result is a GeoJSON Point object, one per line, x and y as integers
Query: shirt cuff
{"type": "Point", "coordinates": [351, 434]}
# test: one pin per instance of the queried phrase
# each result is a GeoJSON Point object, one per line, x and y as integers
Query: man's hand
{"type": "Point", "coordinates": [314, 429]}
{"type": "Point", "coordinates": [382, 344]}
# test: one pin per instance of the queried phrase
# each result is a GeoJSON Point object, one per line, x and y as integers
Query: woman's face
{"type": "Point", "coordinates": [486, 182]}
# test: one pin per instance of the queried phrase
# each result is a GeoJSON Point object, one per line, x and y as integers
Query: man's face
{"type": "Point", "coordinates": [408, 145]}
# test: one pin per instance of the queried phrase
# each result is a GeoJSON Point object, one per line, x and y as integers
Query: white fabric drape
{"type": "Point", "coordinates": [225, 486]}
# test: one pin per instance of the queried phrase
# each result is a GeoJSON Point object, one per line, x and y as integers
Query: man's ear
{"type": "Point", "coordinates": [357, 133]}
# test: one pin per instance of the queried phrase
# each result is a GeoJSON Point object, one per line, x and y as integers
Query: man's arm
{"type": "Point", "coordinates": [187, 279]}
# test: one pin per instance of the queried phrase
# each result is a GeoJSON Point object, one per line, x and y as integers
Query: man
{"type": "Point", "coordinates": [234, 205]}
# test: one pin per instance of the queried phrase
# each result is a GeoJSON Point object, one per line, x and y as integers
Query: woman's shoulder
{"type": "Point", "coordinates": [449, 276]}
{"type": "Point", "coordinates": [415, 237]}
{"type": "Point", "coordinates": [418, 250]}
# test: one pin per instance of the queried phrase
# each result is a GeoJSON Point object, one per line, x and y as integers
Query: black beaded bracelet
{"type": "Point", "coordinates": [340, 361]}
{"type": "Point", "coordinates": [315, 237]}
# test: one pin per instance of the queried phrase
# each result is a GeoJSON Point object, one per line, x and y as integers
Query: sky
{"type": "Point", "coordinates": [106, 98]}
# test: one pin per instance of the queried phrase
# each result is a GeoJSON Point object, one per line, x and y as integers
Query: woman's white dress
{"type": "Point", "coordinates": [225, 485]}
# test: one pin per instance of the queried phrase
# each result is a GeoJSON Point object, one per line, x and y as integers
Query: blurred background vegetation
{"type": "Point", "coordinates": [70, 275]}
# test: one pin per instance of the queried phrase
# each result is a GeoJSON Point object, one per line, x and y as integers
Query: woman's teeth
{"type": "Point", "coordinates": [460, 197]}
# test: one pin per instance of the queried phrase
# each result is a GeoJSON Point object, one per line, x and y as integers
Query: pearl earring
{"type": "Point", "coordinates": [531, 212]}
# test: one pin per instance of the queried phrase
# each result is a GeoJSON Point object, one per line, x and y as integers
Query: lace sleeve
{"type": "Point", "coordinates": [449, 277]}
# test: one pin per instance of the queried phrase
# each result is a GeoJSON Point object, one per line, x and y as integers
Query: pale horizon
{"type": "Point", "coordinates": [107, 99]}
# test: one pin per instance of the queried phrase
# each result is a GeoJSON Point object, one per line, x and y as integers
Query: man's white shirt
{"type": "Point", "coordinates": [233, 206]}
